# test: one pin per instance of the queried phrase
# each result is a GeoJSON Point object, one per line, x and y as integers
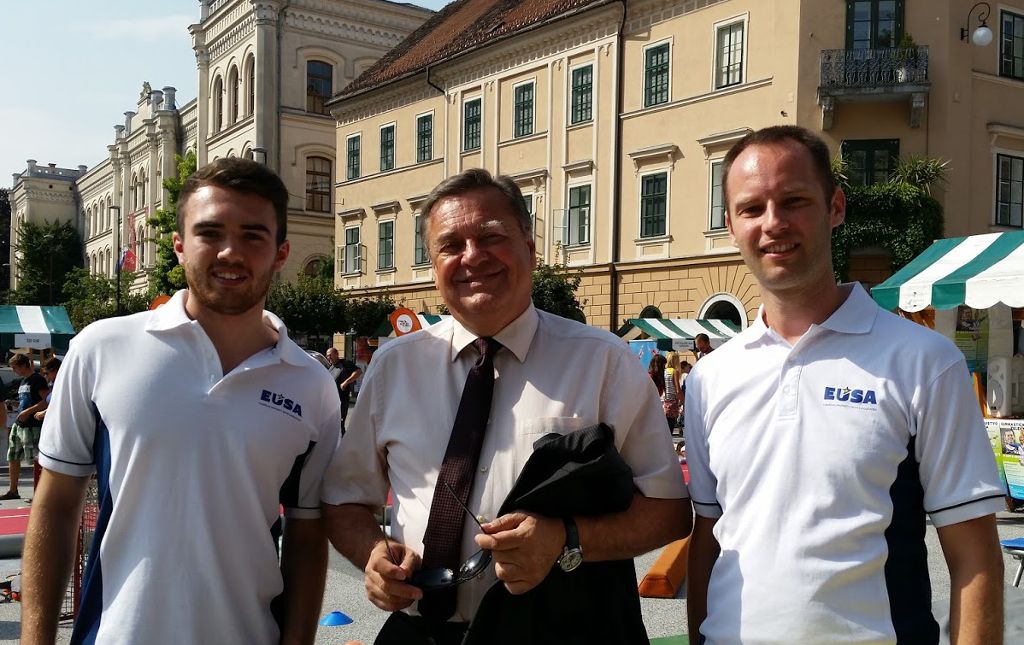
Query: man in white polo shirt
{"type": "Point", "coordinates": [820, 438]}
{"type": "Point", "coordinates": [200, 419]}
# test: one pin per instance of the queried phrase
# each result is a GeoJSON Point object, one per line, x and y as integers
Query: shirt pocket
{"type": "Point", "coordinates": [529, 431]}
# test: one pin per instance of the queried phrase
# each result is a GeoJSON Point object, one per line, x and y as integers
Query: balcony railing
{"type": "Point", "coordinates": [874, 68]}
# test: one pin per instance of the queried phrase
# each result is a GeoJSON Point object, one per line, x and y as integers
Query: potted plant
{"type": "Point", "coordinates": [905, 57]}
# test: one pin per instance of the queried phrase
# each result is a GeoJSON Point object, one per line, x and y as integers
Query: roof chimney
{"type": "Point", "coordinates": [169, 98]}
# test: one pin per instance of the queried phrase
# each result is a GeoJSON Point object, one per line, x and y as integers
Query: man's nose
{"type": "Point", "coordinates": [473, 252]}
{"type": "Point", "coordinates": [229, 248]}
{"type": "Point", "coordinates": [774, 219]}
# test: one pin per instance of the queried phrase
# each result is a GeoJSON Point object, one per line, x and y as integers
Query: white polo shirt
{"type": "Point", "coordinates": [820, 461]}
{"type": "Point", "coordinates": [192, 465]}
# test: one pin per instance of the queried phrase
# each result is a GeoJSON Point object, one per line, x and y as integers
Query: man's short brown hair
{"type": "Point", "coordinates": [779, 134]}
{"type": "Point", "coordinates": [474, 179]}
{"type": "Point", "coordinates": [52, 365]}
{"type": "Point", "coordinates": [245, 176]}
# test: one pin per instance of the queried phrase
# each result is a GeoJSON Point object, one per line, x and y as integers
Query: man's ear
{"type": "Point", "coordinates": [179, 246]}
{"type": "Point", "coordinates": [837, 208]}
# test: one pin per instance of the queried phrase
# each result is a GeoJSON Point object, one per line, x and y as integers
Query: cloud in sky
{"type": "Point", "coordinates": [140, 29]}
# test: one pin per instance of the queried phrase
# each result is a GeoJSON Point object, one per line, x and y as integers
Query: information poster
{"type": "Point", "coordinates": [1007, 438]}
{"type": "Point", "coordinates": [971, 337]}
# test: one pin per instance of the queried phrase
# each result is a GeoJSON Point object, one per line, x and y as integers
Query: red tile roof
{"type": "Point", "coordinates": [460, 26]}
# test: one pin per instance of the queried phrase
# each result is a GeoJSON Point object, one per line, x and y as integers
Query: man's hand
{"type": "Point", "coordinates": [524, 546]}
{"type": "Point", "coordinates": [385, 581]}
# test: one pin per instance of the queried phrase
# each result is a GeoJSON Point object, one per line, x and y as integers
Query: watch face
{"type": "Point", "coordinates": [571, 558]}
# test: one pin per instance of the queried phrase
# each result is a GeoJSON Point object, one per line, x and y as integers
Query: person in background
{"type": "Point", "coordinates": [814, 463]}
{"type": "Point", "coordinates": [671, 399]}
{"type": "Point", "coordinates": [345, 373]}
{"type": "Point", "coordinates": [702, 346]}
{"type": "Point", "coordinates": [24, 437]}
{"type": "Point", "coordinates": [656, 370]}
{"type": "Point", "coordinates": [50, 368]}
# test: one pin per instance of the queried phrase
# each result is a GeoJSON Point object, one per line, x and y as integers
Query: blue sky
{"type": "Point", "coordinates": [72, 68]}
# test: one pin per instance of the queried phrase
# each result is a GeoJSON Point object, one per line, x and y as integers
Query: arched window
{"type": "Point", "coordinates": [318, 184]}
{"type": "Point", "coordinates": [142, 188]}
{"type": "Point", "coordinates": [319, 85]}
{"type": "Point", "coordinates": [650, 311]}
{"type": "Point", "coordinates": [250, 89]}
{"type": "Point", "coordinates": [107, 216]}
{"type": "Point", "coordinates": [218, 104]}
{"type": "Point", "coordinates": [233, 95]}
{"type": "Point", "coordinates": [141, 241]}
{"type": "Point", "coordinates": [312, 268]}
{"type": "Point", "coordinates": [249, 154]}
{"type": "Point", "coordinates": [107, 266]}
{"type": "Point", "coordinates": [135, 192]}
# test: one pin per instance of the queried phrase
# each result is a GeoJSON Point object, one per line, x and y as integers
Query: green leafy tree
{"type": "Point", "coordinates": [166, 275]}
{"type": "Point", "coordinates": [310, 306]}
{"type": "Point", "coordinates": [45, 254]}
{"type": "Point", "coordinates": [89, 298]}
{"type": "Point", "coordinates": [5, 242]}
{"type": "Point", "coordinates": [554, 291]}
{"type": "Point", "coordinates": [366, 314]}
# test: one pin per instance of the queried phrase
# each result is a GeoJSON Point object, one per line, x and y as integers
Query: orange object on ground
{"type": "Point", "coordinates": [668, 572]}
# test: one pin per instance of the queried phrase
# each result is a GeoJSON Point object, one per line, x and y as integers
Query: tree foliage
{"type": "Point", "coordinates": [92, 297]}
{"type": "Point", "coordinates": [554, 291]}
{"type": "Point", "coordinates": [45, 254]}
{"type": "Point", "coordinates": [5, 240]}
{"type": "Point", "coordinates": [364, 315]}
{"type": "Point", "coordinates": [310, 306]}
{"type": "Point", "coordinates": [166, 276]}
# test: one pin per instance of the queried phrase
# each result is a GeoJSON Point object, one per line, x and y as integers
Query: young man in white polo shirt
{"type": "Point", "coordinates": [200, 419]}
{"type": "Point", "coordinates": [819, 439]}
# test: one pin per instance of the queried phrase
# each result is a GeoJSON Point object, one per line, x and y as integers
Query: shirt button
{"type": "Point", "coordinates": [483, 469]}
{"type": "Point", "coordinates": [482, 519]}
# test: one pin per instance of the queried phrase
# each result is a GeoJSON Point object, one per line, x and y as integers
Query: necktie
{"type": "Point", "coordinates": [442, 540]}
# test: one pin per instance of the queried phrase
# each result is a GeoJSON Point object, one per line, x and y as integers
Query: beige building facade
{"type": "Point", "coordinates": [265, 70]}
{"type": "Point", "coordinates": [615, 125]}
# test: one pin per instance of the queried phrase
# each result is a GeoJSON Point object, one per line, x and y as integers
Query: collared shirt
{"type": "Point", "coordinates": [820, 461]}
{"type": "Point", "coordinates": [551, 375]}
{"type": "Point", "coordinates": [191, 467]}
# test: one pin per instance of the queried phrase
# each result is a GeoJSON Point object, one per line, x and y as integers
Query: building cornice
{"type": "Point", "coordinates": [354, 29]}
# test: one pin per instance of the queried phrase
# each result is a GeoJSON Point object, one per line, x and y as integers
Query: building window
{"type": "Point", "coordinates": [419, 247]}
{"type": "Point", "coordinates": [471, 125]}
{"type": "Point", "coordinates": [582, 94]}
{"type": "Point", "coordinates": [1011, 45]}
{"type": "Point", "coordinates": [387, 148]}
{"type": "Point", "coordinates": [870, 161]}
{"type": "Point", "coordinates": [250, 102]}
{"type": "Point", "coordinates": [1009, 190]}
{"type": "Point", "coordinates": [729, 56]}
{"type": "Point", "coordinates": [233, 95]}
{"type": "Point", "coordinates": [656, 71]}
{"type": "Point", "coordinates": [386, 245]}
{"type": "Point", "coordinates": [352, 255]}
{"type": "Point", "coordinates": [528, 202]}
{"type": "Point", "coordinates": [653, 204]}
{"type": "Point", "coordinates": [352, 158]}
{"type": "Point", "coordinates": [577, 229]}
{"type": "Point", "coordinates": [218, 104]}
{"type": "Point", "coordinates": [318, 184]}
{"type": "Point", "coordinates": [141, 254]}
{"type": "Point", "coordinates": [424, 138]}
{"type": "Point", "coordinates": [319, 85]}
{"type": "Point", "coordinates": [523, 110]}
{"type": "Point", "coordinates": [873, 24]}
{"type": "Point", "coordinates": [717, 198]}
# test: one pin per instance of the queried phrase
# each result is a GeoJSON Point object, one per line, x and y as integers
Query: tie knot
{"type": "Point", "coordinates": [486, 347]}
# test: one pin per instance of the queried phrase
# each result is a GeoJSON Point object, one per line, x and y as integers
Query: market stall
{"type": "Point", "coordinates": [971, 290]}
{"type": "Point", "coordinates": [31, 327]}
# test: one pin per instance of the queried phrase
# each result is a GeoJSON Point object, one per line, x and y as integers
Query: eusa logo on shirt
{"type": "Point", "coordinates": [281, 403]}
{"type": "Point", "coordinates": [850, 396]}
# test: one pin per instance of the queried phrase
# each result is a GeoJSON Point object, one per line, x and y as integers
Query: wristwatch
{"type": "Point", "coordinates": [572, 552]}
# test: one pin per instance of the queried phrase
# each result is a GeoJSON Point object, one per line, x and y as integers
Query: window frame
{"type": "Point", "coordinates": [322, 195]}
{"type": "Point", "coordinates": [999, 203]}
{"type": "Point", "coordinates": [385, 245]}
{"type": "Point", "coordinates": [869, 146]}
{"type": "Point", "coordinates": [1008, 59]}
{"type": "Point", "coordinates": [717, 72]}
{"type": "Point", "coordinates": [899, 22]}
{"type": "Point", "coordinates": [218, 104]}
{"type": "Point", "coordinates": [479, 124]}
{"type": "Point", "coordinates": [387, 163]}
{"type": "Point", "coordinates": [648, 100]}
{"type": "Point", "coordinates": [577, 94]}
{"type": "Point", "coordinates": [316, 100]}
{"type": "Point", "coordinates": [712, 165]}
{"type": "Point", "coordinates": [530, 200]}
{"type": "Point", "coordinates": [420, 254]}
{"type": "Point", "coordinates": [643, 177]}
{"type": "Point", "coordinates": [567, 238]}
{"type": "Point", "coordinates": [354, 259]}
{"type": "Point", "coordinates": [524, 112]}
{"type": "Point", "coordinates": [353, 170]}
{"type": "Point", "coordinates": [250, 71]}
{"type": "Point", "coordinates": [424, 153]}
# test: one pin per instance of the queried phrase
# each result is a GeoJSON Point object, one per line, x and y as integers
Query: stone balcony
{"type": "Point", "coordinates": [872, 75]}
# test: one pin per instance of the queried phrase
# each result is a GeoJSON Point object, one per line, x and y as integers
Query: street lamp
{"type": "Point", "coordinates": [982, 36]}
{"type": "Point", "coordinates": [116, 212]}
{"type": "Point", "coordinates": [259, 154]}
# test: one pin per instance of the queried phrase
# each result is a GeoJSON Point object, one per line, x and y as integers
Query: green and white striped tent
{"type": "Point", "coordinates": [24, 326]}
{"type": "Point", "coordinates": [977, 271]}
{"type": "Point", "coordinates": [426, 320]}
{"type": "Point", "coordinates": [678, 333]}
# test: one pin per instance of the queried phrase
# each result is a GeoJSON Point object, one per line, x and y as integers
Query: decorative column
{"type": "Point", "coordinates": [203, 100]}
{"type": "Point", "coordinates": [267, 81]}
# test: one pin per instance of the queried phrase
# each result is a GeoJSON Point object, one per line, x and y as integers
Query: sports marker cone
{"type": "Point", "coordinates": [334, 619]}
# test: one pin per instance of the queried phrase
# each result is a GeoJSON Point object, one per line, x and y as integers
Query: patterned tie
{"type": "Point", "coordinates": [442, 540]}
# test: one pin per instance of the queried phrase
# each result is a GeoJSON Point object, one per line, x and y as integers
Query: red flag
{"type": "Point", "coordinates": [127, 261]}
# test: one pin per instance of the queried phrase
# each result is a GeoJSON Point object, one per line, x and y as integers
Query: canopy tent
{"type": "Point", "coordinates": [426, 320]}
{"type": "Point", "coordinates": [979, 271]}
{"type": "Point", "coordinates": [678, 333]}
{"type": "Point", "coordinates": [35, 327]}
